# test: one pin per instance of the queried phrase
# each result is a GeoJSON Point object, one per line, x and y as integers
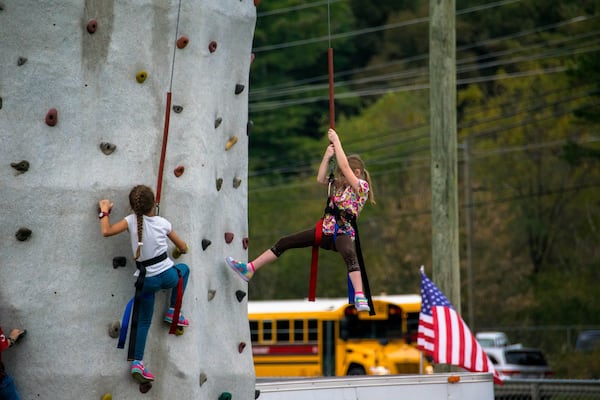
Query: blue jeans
{"type": "Point", "coordinates": [8, 390]}
{"type": "Point", "coordinates": [165, 280]}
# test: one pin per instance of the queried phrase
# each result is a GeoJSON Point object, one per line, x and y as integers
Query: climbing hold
{"type": "Point", "coordinates": [256, 3]}
{"type": "Point", "coordinates": [119, 261]}
{"type": "Point", "coordinates": [211, 294]}
{"type": "Point", "coordinates": [52, 117]}
{"type": "Point", "coordinates": [239, 88]}
{"type": "Point", "coordinates": [240, 294]}
{"type": "Point", "coordinates": [245, 243]}
{"type": "Point", "coordinates": [92, 25]}
{"type": "Point", "coordinates": [21, 61]}
{"type": "Point", "coordinates": [177, 109]}
{"type": "Point", "coordinates": [205, 243]}
{"type": "Point", "coordinates": [179, 331]}
{"type": "Point", "coordinates": [219, 183]}
{"type": "Point", "coordinates": [249, 127]}
{"type": "Point", "coordinates": [141, 76]}
{"type": "Point", "coordinates": [218, 122]}
{"type": "Point", "coordinates": [23, 234]}
{"type": "Point", "coordinates": [0, 103]}
{"type": "Point", "coordinates": [107, 148]}
{"type": "Point", "coordinates": [182, 42]}
{"type": "Point", "coordinates": [256, 394]}
{"type": "Point", "coordinates": [107, 396]}
{"type": "Point", "coordinates": [252, 57]}
{"type": "Point", "coordinates": [237, 182]}
{"type": "Point", "coordinates": [203, 378]}
{"type": "Point", "coordinates": [212, 46]}
{"type": "Point", "coordinates": [145, 387]}
{"type": "Point", "coordinates": [225, 396]}
{"type": "Point", "coordinates": [228, 237]}
{"type": "Point", "coordinates": [241, 347]}
{"type": "Point", "coordinates": [232, 140]}
{"type": "Point", "coordinates": [21, 166]}
{"type": "Point", "coordinates": [1, 6]}
{"type": "Point", "coordinates": [114, 329]}
{"type": "Point", "coordinates": [179, 170]}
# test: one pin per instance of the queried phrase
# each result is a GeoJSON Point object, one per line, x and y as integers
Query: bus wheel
{"type": "Point", "coordinates": [356, 370]}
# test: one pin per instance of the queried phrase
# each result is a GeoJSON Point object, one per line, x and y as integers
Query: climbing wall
{"type": "Point", "coordinates": [83, 105]}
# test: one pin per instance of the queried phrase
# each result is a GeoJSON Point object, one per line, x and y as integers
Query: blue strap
{"type": "Point", "coordinates": [125, 324]}
{"type": "Point", "coordinates": [350, 291]}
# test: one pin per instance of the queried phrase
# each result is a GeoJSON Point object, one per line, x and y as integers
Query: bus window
{"type": "Point", "coordinates": [298, 330]}
{"type": "Point", "coordinates": [254, 331]}
{"type": "Point", "coordinates": [412, 327]}
{"type": "Point", "coordinates": [283, 330]}
{"type": "Point", "coordinates": [313, 330]}
{"type": "Point", "coordinates": [267, 331]}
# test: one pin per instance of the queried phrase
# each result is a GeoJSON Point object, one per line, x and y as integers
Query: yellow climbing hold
{"type": "Point", "coordinates": [232, 140]}
{"type": "Point", "coordinates": [141, 76]}
{"type": "Point", "coordinates": [107, 396]}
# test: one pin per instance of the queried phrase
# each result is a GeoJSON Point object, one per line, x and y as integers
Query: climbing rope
{"type": "Point", "coordinates": [163, 152]}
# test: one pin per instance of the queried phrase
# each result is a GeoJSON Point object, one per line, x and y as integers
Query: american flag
{"type": "Point", "coordinates": [444, 336]}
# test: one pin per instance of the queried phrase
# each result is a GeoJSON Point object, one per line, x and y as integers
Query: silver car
{"type": "Point", "coordinates": [519, 362]}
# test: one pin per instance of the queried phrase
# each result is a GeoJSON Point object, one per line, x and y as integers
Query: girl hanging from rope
{"type": "Point", "coordinates": [349, 192]}
{"type": "Point", "coordinates": [148, 233]}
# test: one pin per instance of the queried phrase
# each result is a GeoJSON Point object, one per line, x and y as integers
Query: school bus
{"type": "Point", "coordinates": [328, 337]}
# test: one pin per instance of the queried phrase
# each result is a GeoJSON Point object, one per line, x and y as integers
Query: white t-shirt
{"type": "Point", "coordinates": [154, 237]}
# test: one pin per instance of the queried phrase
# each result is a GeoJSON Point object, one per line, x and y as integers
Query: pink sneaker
{"type": "Point", "coordinates": [182, 320]}
{"type": "Point", "coordinates": [140, 373]}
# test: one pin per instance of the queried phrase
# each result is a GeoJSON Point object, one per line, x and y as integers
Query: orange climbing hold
{"type": "Point", "coordinates": [231, 142]}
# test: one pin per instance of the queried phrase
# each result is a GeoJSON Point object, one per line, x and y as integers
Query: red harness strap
{"type": "Point", "coordinates": [314, 262]}
{"type": "Point", "coordinates": [177, 308]}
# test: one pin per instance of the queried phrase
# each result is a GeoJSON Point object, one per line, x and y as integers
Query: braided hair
{"type": "Point", "coordinates": [141, 199]}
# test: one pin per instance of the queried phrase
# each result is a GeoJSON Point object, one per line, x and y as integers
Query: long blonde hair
{"type": "Point", "coordinates": [357, 163]}
{"type": "Point", "coordinates": [141, 200]}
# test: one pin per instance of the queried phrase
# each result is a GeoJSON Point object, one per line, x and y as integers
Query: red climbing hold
{"type": "Point", "coordinates": [228, 237]}
{"type": "Point", "coordinates": [52, 117]}
{"type": "Point", "coordinates": [92, 25]}
{"type": "Point", "coordinates": [241, 347]}
{"type": "Point", "coordinates": [245, 243]}
{"type": "Point", "coordinates": [212, 46]}
{"type": "Point", "coordinates": [179, 171]}
{"type": "Point", "coordinates": [182, 42]}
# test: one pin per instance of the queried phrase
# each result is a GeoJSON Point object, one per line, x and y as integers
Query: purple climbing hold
{"type": "Point", "coordinates": [92, 25]}
{"type": "Point", "coordinates": [52, 117]}
{"type": "Point", "coordinates": [212, 46]}
{"type": "Point", "coordinates": [228, 237]}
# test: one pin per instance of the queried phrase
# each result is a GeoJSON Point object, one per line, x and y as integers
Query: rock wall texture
{"type": "Point", "coordinates": [105, 67]}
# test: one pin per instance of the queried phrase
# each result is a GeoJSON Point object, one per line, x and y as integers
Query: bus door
{"type": "Point", "coordinates": [328, 342]}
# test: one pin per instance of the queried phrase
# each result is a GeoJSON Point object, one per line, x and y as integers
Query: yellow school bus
{"type": "Point", "coordinates": [328, 337]}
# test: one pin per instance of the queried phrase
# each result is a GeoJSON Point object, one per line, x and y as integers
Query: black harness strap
{"type": "Point", "coordinates": [139, 285]}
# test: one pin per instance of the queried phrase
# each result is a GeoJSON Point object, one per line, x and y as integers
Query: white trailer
{"type": "Point", "coordinates": [459, 386]}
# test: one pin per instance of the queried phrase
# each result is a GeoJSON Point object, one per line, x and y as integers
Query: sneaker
{"type": "Point", "coordinates": [182, 320]}
{"type": "Point", "coordinates": [361, 304]}
{"type": "Point", "coordinates": [240, 268]}
{"type": "Point", "coordinates": [140, 373]}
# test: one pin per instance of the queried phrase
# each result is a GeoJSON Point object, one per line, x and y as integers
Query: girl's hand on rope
{"type": "Point", "coordinates": [105, 205]}
{"type": "Point", "coordinates": [329, 152]}
{"type": "Point", "coordinates": [333, 136]}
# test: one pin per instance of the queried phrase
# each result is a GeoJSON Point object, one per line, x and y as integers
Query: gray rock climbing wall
{"type": "Point", "coordinates": [85, 59]}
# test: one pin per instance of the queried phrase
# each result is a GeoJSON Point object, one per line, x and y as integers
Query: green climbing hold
{"type": "Point", "coordinates": [225, 396]}
{"type": "Point", "coordinates": [141, 76]}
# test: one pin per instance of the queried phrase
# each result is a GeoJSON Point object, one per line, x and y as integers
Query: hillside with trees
{"type": "Point", "coordinates": [529, 152]}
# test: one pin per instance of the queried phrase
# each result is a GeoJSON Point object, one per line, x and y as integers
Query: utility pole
{"type": "Point", "coordinates": [444, 196]}
{"type": "Point", "coordinates": [468, 228]}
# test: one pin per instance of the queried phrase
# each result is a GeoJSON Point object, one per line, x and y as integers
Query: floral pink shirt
{"type": "Point", "coordinates": [347, 201]}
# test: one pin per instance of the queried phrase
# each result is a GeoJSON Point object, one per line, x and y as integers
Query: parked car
{"type": "Point", "coordinates": [492, 339]}
{"type": "Point", "coordinates": [519, 362]}
{"type": "Point", "coordinates": [588, 340]}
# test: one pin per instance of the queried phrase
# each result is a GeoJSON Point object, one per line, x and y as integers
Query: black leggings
{"type": "Point", "coordinates": [343, 244]}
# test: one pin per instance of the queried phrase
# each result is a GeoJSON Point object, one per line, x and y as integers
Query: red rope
{"type": "Point", "coordinates": [331, 102]}
{"type": "Point", "coordinates": [163, 152]}
{"type": "Point", "coordinates": [314, 262]}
